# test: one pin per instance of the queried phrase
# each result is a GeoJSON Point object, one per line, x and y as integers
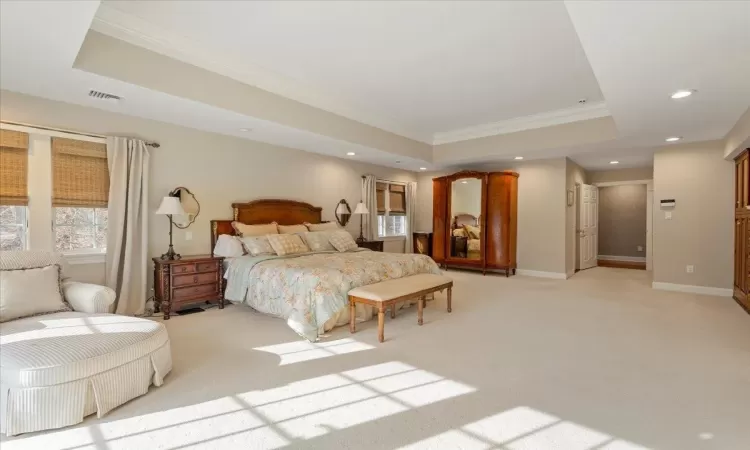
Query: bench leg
{"type": "Point", "coordinates": [450, 291]}
{"type": "Point", "coordinates": [381, 324]}
{"type": "Point", "coordinates": [420, 309]}
{"type": "Point", "coordinates": [352, 315]}
{"type": "Point", "coordinates": [393, 311]}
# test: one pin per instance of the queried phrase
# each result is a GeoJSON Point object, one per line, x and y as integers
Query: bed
{"type": "Point", "coordinates": [309, 290]}
{"type": "Point", "coordinates": [465, 227]}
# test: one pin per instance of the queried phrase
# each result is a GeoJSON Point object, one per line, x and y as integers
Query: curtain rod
{"type": "Point", "coordinates": [403, 183]}
{"type": "Point", "coordinates": [61, 130]}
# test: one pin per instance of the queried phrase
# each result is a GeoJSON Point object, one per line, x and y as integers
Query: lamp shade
{"type": "Point", "coordinates": [361, 209]}
{"type": "Point", "coordinates": [171, 206]}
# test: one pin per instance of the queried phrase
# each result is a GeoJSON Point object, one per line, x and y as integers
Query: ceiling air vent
{"type": "Point", "coordinates": [103, 95]}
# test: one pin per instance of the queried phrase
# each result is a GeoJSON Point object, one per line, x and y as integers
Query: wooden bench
{"type": "Point", "coordinates": [388, 293]}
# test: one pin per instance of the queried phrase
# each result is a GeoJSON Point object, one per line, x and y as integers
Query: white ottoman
{"type": "Point", "coordinates": [56, 369]}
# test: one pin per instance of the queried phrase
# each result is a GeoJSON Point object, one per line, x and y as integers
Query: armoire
{"type": "Point", "coordinates": [742, 230]}
{"type": "Point", "coordinates": [474, 220]}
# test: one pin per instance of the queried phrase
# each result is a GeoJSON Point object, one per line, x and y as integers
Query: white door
{"type": "Point", "coordinates": [588, 222]}
{"type": "Point", "coordinates": [649, 224]}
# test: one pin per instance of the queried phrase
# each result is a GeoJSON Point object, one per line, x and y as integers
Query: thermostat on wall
{"type": "Point", "coordinates": [668, 203]}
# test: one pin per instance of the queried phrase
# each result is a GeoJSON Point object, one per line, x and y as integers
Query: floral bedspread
{"type": "Point", "coordinates": [309, 289]}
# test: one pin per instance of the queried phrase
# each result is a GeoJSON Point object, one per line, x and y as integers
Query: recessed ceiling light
{"type": "Point", "coordinates": [423, 168]}
{"type": "Point", "coordinates": [464, 182]}
{"type": "Point", "coordinates": [673, 139]}
{"type": "Point", "coordinates": [398, 161]}
{"type": "Point", "coordinates": [350, 153]}
{"type": "Point", "coordinates": [614, 162]}
{"type": "Point", "coordinates": [682, 93]}
{"type": "Point", "coordinates": [519, 157]}
{"type": "Point", "coordinates": [245, 130]}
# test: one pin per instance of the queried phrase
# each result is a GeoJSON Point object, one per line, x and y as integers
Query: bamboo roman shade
{"type": "Point", "coordinates": [14, 168]}
{"type": "Point", "coordinates": [380, 190]}
{"type": "Point", "coordinates": [80, 176]}
{"type": "Point", "coordinates": [397, 199]}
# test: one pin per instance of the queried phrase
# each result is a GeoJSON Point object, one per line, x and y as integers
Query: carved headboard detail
{"type": "Point", "coordinates": [284, 212]}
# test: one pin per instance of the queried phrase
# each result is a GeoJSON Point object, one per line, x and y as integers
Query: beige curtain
{"type": "Point", "coordinates": [369, 196]}
{"type": "Point", "coordinates": [127, 231]}
{"type": "Point", "coordinates": [411, 215]}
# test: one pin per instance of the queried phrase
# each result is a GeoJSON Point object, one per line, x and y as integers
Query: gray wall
{"type": "Point", "coordinates": [622, 220]}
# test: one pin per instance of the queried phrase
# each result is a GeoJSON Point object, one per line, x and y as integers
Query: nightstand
{"type": "Point", "coordinates": [376, 246]}
{"type": "Point", "coordinates": [190, 279]}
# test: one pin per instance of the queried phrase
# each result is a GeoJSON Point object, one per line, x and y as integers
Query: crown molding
{"type": "Point", "coordinates": [541, 120]}
{"type": "Point", "coordinates": [139, 32]}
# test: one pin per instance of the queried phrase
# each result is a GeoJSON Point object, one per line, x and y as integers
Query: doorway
{"type": "Point", "coordinates": [613, 224]}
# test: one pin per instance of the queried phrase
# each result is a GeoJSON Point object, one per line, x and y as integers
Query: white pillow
{"type": "Point", "coordinates": [328, 226]}
{"type": "Point", "coordinates": [28, 292]}
{"type": "Point", "coordinates": [343, 241]}
{"type": "Point", "coordinates": [228, 246]}
{"type": "Point", "coordinates": [255, 230]}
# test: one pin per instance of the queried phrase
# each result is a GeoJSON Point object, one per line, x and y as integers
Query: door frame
{"type": "Point", "coordinates": [649, 214]}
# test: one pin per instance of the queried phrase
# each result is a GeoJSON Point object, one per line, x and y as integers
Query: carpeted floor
{"type": "Point", "coordinates": [600, 361]}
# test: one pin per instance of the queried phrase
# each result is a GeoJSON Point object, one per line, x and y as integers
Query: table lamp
{"type": "Point", "coordinates": [170, 206]}
{"type": "Point", "coordinates": [361, 209]}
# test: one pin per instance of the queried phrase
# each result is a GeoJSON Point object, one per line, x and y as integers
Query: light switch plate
{"type": "Point", "coordinates": [668, 215]}
{"type": "Point", "coordinates": [188, 235]}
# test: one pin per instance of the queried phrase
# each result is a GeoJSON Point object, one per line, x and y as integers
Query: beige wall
{"type": "Point", "coordinates": [541, 211]}
{"type": "Point", "coordinates": [218, 169]}
{"type": "Point", "coordinates": [574, 175]}
{"type": "Point", "coordinates": [700, 232]}
{"type": "Point", "coordinates": [608, 176]}
{"type": "Point", "coordinates": [738, 137]}
{"type": "Point", "coordinates": [622, 220]}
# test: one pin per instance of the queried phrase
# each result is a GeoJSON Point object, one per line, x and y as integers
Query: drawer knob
{"type": "Point", "coordinates": [195, 279]}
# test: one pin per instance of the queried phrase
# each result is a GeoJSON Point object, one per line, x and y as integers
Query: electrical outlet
{"type": "Point", "coordinates": [640, 248]}
{"type": "Point", "coordinates": [188, 235]}
{"type": "Point", "coordinates": [668, 215]}
{"type": "Point", "coordinates": [690, 269]}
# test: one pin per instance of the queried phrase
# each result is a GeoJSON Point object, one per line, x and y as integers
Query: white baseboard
{"type": "Point", "coordinates": [704, 290]}
{"type": "Point", "coordinates": [540, 274]}
{"type": "Point", "coordinates": [622, 258]}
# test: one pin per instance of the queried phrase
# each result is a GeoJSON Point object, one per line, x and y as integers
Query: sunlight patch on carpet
{"type": "Point", "coordinates": [299, 351]}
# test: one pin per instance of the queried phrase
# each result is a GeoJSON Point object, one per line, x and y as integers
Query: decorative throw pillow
{"type": "Point", "coordinates": [460, 232]}
{"type": "Point", "coordinates": [228, 246]}
{"type": "Point", "coordinates": [30, 292]}
{"type": "Point", "coordinates": [258, 245]}
{"type": "Point", "coordinates": [319, 241]}
{"type": "Point", "coordinates": [328, 226]}
{"type": "Point", "coordinates": [291, 229]}
{"type": "Point", "coordinates": [32, 259]}
{"type": "Point", "coordinates": [343, 241]}
{"type": "Point", "coordinates": [255, 230]}
{"type": "Point", "coordinates": [287, 244]}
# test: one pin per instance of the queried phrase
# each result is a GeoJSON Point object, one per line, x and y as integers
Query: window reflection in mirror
{"type": "Point", "coordinates": [466, 210]}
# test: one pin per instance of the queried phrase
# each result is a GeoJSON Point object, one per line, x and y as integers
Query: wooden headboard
{"type": "Point", "coordinates": [462, 219]}
{"type": "Point", "coordinates": [283, 212]}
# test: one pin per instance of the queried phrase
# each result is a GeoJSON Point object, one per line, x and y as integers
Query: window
{"type": "Point", "coordinates": [80, 229]}
{"type": "Point", "coordinates": [38, 165]}
{"type": "Point", "coordinates": [391, 198]}
{"type": "Point", "coordinates": [80, 189]}
{"type": "Point", "coordinates": [14, 189]}
{"type": "Point", "coordinates": [12, 227]}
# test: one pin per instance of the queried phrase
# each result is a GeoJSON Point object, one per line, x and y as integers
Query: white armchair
{"type": "Point", "coordinates": [89, 298]}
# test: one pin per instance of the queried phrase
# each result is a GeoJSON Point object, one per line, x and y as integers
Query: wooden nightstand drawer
{"type": "Point", "coordinates": [198, 278]}
{"type": "Point", "coordinates": [207, 267]}
{"type": "Point", "coordinates": [183, 268]}
{"type": "Point", "coordinates": [376, 246]}
{"type": "Point", "coordinates": [190, 292]}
